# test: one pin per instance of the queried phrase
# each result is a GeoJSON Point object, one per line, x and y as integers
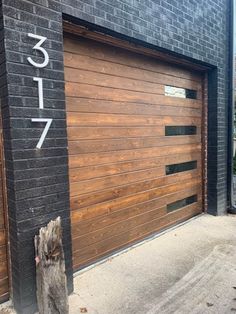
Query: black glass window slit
{"type": "Point", "coordinates": [180, 130]}
{"type": "Point", "coordinates": [184, 166]}
{"type": "Point", "coordinates": [180, 92]}
{"type": "Point", "coordinates": [190, 93]}
{"type": "Point", "coordinates": [181, 203]}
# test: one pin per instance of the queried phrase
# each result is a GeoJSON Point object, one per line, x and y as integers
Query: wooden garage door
{"type": "Point", "coordinates": [4, 280]}
{"type": "Point", "coordinates": [134, 130]}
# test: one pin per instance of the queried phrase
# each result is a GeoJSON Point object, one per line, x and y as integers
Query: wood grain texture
{"type": "Point", "coordinates": [77, 64]}
{"type": "Point", "coordinates": [89, 172]}
{"type": "Point", "coordinates": [4, 276]}
{"type": "Point", "coordinates": [86, 255]}
{"type": "Point", "coordinates": [97, 184]}
{"type": "Point", "coordinates": [123, 95]}
{"type": "Point", "coordinates": [148, 192]}
{"type": "Point", "coordinates": [3, 253]}
{"type": "Point", "coordinates": [176, 107]}
{"type": "Point", "coordinates": [99, 222]}
{"type": "Point", "coordinates": [78, 133]}
{"type": "Point", "coordinates": [102, 119]}
{"type": "Point", "coordinates": [51, 283]}
{"type": "Point", "coordinates": [116, 117]}
{"type": "Point", "coordinates": [4, 289]}
{"type": "Point", "coordinates": [93, 146]}
{"type": "Point", "coordinates": [112, 81]}
{"type": "Point", "coordinates": [4, 283]}
{"type": "Point", "coordinates": [118, 55]}
{"type": "Point", "coordinates": [81, 160]}
{"type": "Point", "coordinates": [98, 196]}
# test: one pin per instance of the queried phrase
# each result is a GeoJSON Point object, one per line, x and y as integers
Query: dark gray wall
{"type": "Point", "coordinates": [37, 181]}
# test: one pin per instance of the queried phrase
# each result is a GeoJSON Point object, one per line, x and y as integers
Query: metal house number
{"type": "Point", "coordinates": [45, 62]}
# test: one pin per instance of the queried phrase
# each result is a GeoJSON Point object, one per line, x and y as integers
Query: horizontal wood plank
{"type": "Point", "coordinates": [89, 172]}
{"type": "Point", "coordinates": [105, 207]}
{"type": "Point", "coordinates": [114, 193]}
{"type": "Point", "coordinates": [3, 270]}
{"type": "Point", "coordinates": [116, 55]}
{"type": "Point", "coordinates": [122, 80]}
{"type": "Point", "coordinates": [90, 159]}
{"type": "Point", "coordinates": [3, 253]}
{"type": "Point", "coordinates": [92, 146]}
{"type": "Point", "coordinates": [2, 237]}
{"type": "Point", "coordinates": [116, 94]}
{"type": "Point", "coordinates": [115, 229]}
{"type": "Point", "coordinates": [176, 107]}
{"type": "Point", "coordinates": [4, 289]}
{"type": "Point", "coordinates": [78, 133]}
{"type": "Point", "coordinates": [85, 255]}
{"type": "Point", "coordinates": [76, 104]}
{"type": "Point", "coordinates": [86, 226]}
{"type": "Point", "coordinates": [100, 119]}
{"type": "Point", "coordinates": [76, 64]}
{"type": "Point", "coordinates": [87, 186]}
{"type": "Point", "coordinates": [113, 81]}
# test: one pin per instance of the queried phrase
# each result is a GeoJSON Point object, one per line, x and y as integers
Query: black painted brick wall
{"type": "Point", "coordinates": [37, 181]}
{"type": "Point", "coordinates": [194, 28]}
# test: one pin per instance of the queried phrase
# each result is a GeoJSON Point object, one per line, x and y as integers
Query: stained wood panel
{"type": "Point", "coordinates": [117, 94]}
{"type": "Point", "coordinates": [92, 146]}
{"type": "Point", "coordinates": [97, 119]}
{"type": "Point", "coordinates": [89, 172]}
{"type": "Point", "coordinates": [106, 106]}
{"type": "Point", "coordinates": [107, 157]}
{"type": "Point", "coordinates": [4, 275]}
{"type": "Point", "coordinates": [117, 55]}
{"type": "Point", "coordinates": [117, 111]}
{"type": "Point", "coordinates": [93, 252]}
{"type": "Point", "coordinates": [90, 210]}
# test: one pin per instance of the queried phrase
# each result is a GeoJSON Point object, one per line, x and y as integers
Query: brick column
{"type": "Point", "coordinates": [37, 179]}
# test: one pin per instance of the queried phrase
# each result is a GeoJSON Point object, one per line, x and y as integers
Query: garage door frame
{"type": "Point", "coordinates": [81, 31]}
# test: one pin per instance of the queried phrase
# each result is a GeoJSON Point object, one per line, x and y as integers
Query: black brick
{"type": "Point", "coordinates": [37, 181]}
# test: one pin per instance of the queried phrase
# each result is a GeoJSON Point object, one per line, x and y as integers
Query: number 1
{"type": "Point", "coordinates": [40, 90]}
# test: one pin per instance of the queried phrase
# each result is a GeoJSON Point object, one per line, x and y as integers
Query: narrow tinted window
{"type": "Point", "coordinates": [181, 203]}
{"type": "Point", "coordinates": [190, 93]}
{"type": "Point", "coordinates": [184, 166]}
{"type": "Point", "coordinates": [180, 92]}
{"type": "Point", "coordinates": [180, 130]}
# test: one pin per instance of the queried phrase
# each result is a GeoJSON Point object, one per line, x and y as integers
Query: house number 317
{"type": "Point", "coordinates": [39, 80]}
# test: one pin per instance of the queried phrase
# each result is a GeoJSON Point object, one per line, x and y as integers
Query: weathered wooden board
{"type": "Point", "coordinates": [52, 294]}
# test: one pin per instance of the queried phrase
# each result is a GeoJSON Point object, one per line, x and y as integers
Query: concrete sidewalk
{"type": "Point", "coordinates": [189, 269]}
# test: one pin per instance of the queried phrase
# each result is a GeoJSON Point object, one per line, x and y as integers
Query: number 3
{"type": "Point", "coordinates": [38, 47]}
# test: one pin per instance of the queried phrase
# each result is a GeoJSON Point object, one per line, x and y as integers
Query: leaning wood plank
{"type": "Point", "coordinates": [52, 295]}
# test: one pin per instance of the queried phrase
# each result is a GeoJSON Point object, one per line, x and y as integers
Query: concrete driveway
{"type": "Point", "coordinates": [189, 269]}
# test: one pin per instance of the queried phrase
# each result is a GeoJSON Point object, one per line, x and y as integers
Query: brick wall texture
{"type": "Point", "coordinates": [37, 180]}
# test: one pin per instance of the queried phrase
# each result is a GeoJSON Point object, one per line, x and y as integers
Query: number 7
{"type": "Point", "coordinates": [45, 131]}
